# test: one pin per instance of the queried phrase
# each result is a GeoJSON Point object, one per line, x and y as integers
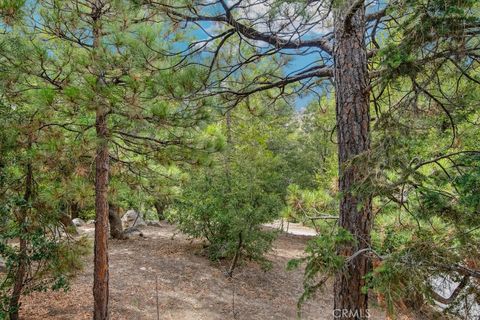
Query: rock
{"type": "Point", "coordinates": [78, 222]}
{"type": "Point", "coordinates": [91, 221]}
{"type": "Point", "coordinates": [3, 267]}
{"type": "Point", "coordinates": [152, 223]}
{"type": "Point", "coordinates": [132, 219]}
{"type": "Point", "coordinates": [131, 231]}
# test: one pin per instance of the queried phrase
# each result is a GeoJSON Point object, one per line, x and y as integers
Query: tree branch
{"type": "Point", "coordinates": [249, 32]}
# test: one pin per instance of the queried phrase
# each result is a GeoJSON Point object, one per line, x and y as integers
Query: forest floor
{"type": "Point", "coordinates": [190, 287]}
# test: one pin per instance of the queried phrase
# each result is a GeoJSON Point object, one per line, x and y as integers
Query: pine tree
{"type": "Point", "coordinates": [103, 61]}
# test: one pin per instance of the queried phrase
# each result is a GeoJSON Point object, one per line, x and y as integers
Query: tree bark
{"type": "Point", "coordinates": [116, 229]}
{"type": "Point", "coordinates": [102, 162]}
{"type": "Point", "coordinates": [353, 133]}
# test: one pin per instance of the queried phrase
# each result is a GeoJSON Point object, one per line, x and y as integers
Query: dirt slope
{"type": "Point", "coordinates": [190, 287]}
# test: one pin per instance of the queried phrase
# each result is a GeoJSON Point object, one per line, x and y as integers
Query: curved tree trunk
{"type": "Point", "coordinates": [116, 228]}
{"type": "Point", "coordinates": [74, 210]}
{"type": "Point", "coordinates": [236, 256]}
{"type": "Point", "coordinates": [353, 118]}
{"type": "Point", "coordinates": [21, 272]}
{"type": "Point", "coordinates": [18, 282]}
{"type": "Point", "coordinates": [160, 207]}
{"type": "Point", "coordinates": [68, 224]}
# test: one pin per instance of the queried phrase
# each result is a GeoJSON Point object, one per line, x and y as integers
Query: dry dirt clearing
{"type": "Point", "coordinates": [190, 287]}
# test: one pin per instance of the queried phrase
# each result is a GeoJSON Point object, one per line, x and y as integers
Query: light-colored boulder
{"type": "Point", "coordinates": [91, 221]}
{"type": "Point", "coordinates": [132, 218]}
{"type": "Point", "coordinates": [133, 231]}
{"type": "Point", "coordinates": [152, 223]}
{"type": "Point", "coordinates": [78, 222]}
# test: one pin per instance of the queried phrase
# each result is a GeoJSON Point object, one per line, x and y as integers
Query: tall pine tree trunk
{"type": "Point", "coordinates": [353, 118]}
{"type": "Point", "coordinates": [100, 273]}
{"type": "Point", "coordinates": [100, 282]}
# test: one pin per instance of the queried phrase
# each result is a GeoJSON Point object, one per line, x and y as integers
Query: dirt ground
{"type": "Point", "coordinates": [190, 287]}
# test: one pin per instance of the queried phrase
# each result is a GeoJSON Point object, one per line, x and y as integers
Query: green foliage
{"type": "Point", "coordinates": [241, 189]}
{"type": "Point", "coordinates": [313, 194]}
{"type": "Point", "coordinates": [322, 261]}
{"type": "Point", "coordinates": [219, 207]}
{"type": "Point", "coordinates": [422, 26]}
{"type": "Point", "coordinates": [50, 263]}
{"type": "Point", "coordinates": [11, 10]}
{"type": "Point", "coordinates": [427, 179]}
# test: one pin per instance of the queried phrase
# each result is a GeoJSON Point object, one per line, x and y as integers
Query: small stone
{"type": "Point", "coordinates": [3, 267]}
{"type": "Point", "coordinates": [78, 222]}
{"type": "Point", "coordinates": [152, 223]}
